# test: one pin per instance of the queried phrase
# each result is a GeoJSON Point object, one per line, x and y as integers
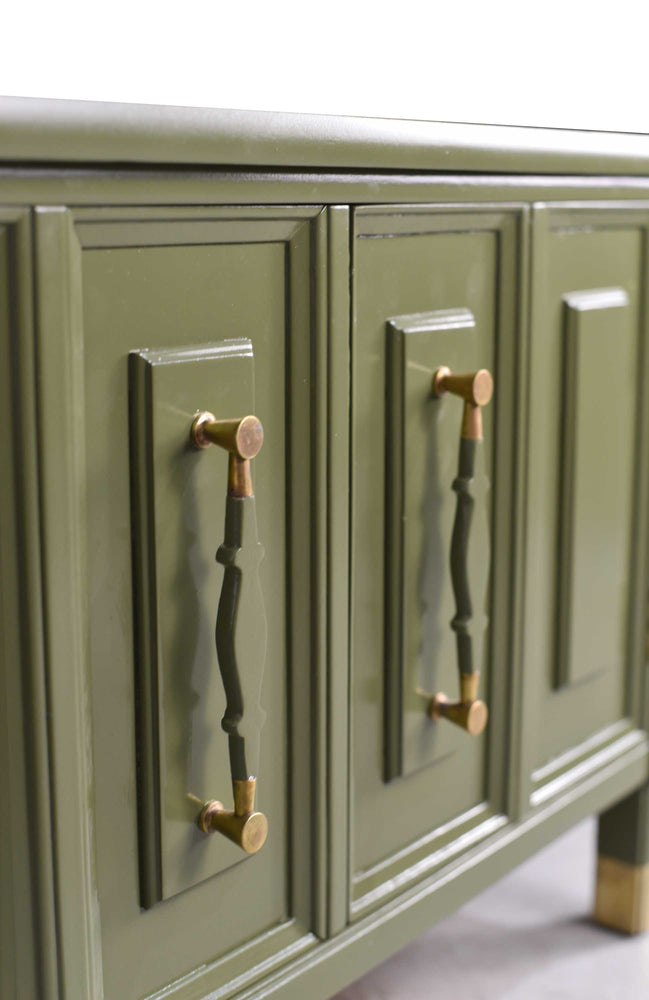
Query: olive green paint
{"type": "Point", "coordinates": [28, 954]}
{"type": "Point", "coordinates": [87, 132]}
{"type": "Point", "coordinates": [407, 261]}
{"type": "Point", "coordinates": [596, 483]}
{"type": "Point", "coordinates": [139, 186]}
{"type": "Point", "coordinates": [585, 250]}
{"type": "Point", "coordinates": [354, 867]}
{"type": "Point", "coordinates": [63, 506]}
{"type": "Point", "coordinates": [422, 435]}
{"type": "Point", "coordinates": [265, 254]}
{"type": "Point", "coordinates": [624, 829]}
{"type": "Point", "coordinates": [179, 494]}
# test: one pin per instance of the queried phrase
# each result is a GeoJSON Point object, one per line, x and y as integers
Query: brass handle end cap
{"type": "Point", "coordinates": [249, 437]}
{"type": "Point", "coordinates": [477, 717]}
{"type": "Point", "coordinates": [469, 715]}
{"type": "Point", "coordinates": [254, 831]}
{"type": "Point", "coordinates": [483, 387]}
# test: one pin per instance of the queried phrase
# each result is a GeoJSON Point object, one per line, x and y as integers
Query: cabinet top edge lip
{"type": "Point", "coordinates": [44, 130]}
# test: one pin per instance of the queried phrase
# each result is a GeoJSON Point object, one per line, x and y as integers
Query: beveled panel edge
{"type": "Point", "coordinates": [114, 228]}
{"type": "Point", "coordinates": [596, 298]}
{"type": "Point", "coordinates": [575, 304]}
{"type": "Point", "coordinates": [423, 857]}
{"type": "Point", "coordinates": [28, 905]}
{"type": "Point", "coordinates": [176, 186]}
{"type": "Point", "coordinates": [61, 451]}
{"type": "Point", "coordinates": [586, 758]}
{"type": "Point", "coordinates": [142, 365]}
{"type": "Point", "coordinates": [268, 952]}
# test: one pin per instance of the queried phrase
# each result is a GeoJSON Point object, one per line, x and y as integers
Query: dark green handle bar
{"type": "Point", "coordinates": [240, 630]}
{"type": "Point", "coordinates": [476, 389]}
{"type": "Point", "coordinates": [241, 635]}
{"type": "Point", "coordinates": [461, 622]}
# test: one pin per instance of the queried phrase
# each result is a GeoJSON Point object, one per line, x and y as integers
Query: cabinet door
{"type": "Point", "coordinates": [587, 490]}
{"type": "Point", "coordinates": [432, 287]}
{"type": "Point", "coordinates": [223, 312]}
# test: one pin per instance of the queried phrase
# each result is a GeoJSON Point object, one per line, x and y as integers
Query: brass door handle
{"type": "Point", "coordinates": [239, 636]}
{"type": "Point", "coordinates": [476, 389]}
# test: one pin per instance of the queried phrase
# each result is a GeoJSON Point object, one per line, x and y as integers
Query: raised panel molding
{"type": "Point", "coordinates": [416, 573]}
{"type": "Point", "coordinates": [596, 478]}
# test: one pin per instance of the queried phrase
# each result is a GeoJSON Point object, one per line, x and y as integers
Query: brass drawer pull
{"type": "Point", "coordinates": [240, 555]}
{"type": "Point", "coordinates": [476, 389]}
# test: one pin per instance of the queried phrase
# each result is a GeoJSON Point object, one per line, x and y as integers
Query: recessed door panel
{"type": "Point", "coordinates": [583, 622]}
{"type": "Point", "coordinates": [432, 289]}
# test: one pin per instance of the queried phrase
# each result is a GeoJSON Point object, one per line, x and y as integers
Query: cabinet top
{"type": "Point", "coordinates": [54, 131]}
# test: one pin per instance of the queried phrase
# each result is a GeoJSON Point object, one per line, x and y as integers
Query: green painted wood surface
{"type": "Point", "coordinates": [585, 518]}
{"type": "Point", "coordinates": [179, 508]}
{"type": "Point", "coordinates": [139, 185]}
{"type": "Point", "coordinates": [28, 959]}
{"type": "Point", "coordinates": [437, 871]}
{"type": "Point", "coordinates": [64, 539]}
{"type": "Point", "coordinates": [124, 288]}
{"type": "Point", "coordinates": [623, 830]}
{"type": "Point", "coordinates": [408, 262]}
{"type": "Point", "coordinates": [422, 434]}
{"type": "Point", "coordinates": [85, 131]}
{"type": "Point", "coordinates": [597, 476]}
{"type": "Point", "coordinates": [189, 281]}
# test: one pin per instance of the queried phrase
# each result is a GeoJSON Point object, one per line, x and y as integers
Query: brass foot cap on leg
{"type": "Point", "coordinates": [622, 896]}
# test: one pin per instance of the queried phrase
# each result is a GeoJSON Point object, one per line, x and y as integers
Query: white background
{"type": "Point", "coordinates": [562, 64]}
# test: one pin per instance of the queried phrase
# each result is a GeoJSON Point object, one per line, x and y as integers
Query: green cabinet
{"type": "Point", "coordinates": [321, 291]}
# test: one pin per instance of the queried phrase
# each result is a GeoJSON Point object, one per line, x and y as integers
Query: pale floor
{"type": "Point", "coordinates": [528, 937]}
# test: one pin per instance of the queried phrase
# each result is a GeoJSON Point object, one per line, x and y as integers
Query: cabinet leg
{"type": "Point", "coordinates": [622, 894]}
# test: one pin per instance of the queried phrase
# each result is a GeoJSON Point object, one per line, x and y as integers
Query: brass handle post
{"type": "Point", "coordinates": [241, 438]}
{"type": "Point", "coordinates": [476, 389]}
{"type": "Point", "coordinates": [240, 630]}
{"type": "Point", "coordinates": [243, 825]}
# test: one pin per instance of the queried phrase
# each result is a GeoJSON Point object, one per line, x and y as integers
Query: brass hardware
{"type": "Point", "coordinates": [475, 388]}
{"type": "Point", "coordinates": [622, 896]}
{"type": "Point", "coordinates": [469, 684]}
{"type": "Point", "coordinates": [470, 715]}
{"type": "Point", "coordinates": [242, 825]}
{"type": "Point", "coordinates": [241, 438]}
